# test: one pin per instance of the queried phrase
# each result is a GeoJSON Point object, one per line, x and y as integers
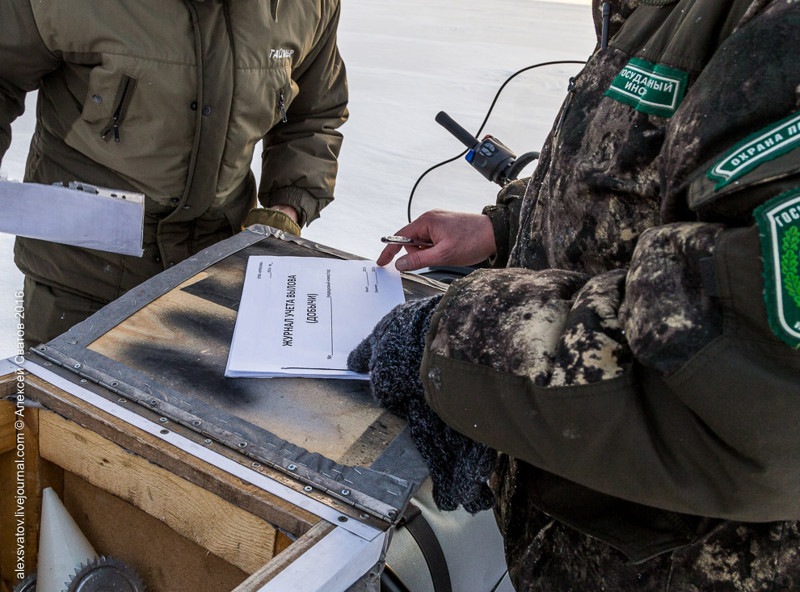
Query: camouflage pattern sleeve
{"type": "Point", "coordinates": [565, 371]}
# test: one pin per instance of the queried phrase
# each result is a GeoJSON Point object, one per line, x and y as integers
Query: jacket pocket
{"type": "Point", "coordinates": [107, 100]}
{"type": "Point", "coordinates": [745, 389]}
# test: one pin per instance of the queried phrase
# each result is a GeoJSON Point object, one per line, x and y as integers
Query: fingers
{"type": "Point", "coordinates": [388, 254]}
{"type": "Point", "coordinates": [458, 238]}
{"type": "Point", "coordinates": [418, 258]}
{"type": "Point", "coordinates": [420, 230]}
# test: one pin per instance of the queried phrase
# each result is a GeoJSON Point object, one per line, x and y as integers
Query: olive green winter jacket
{"type": "Point", "coordinates": [169, 98]}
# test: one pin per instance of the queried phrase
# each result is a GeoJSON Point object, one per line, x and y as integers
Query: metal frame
{"type": "Point", "coordinates": [372, 490]}
{"type": "Point", "coordinates": [204, 454]}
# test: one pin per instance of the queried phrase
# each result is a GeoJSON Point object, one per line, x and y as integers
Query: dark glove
{"type": "Point", "coordinates": [274, 218]}
{"type": "Point", "coordinates": [392, 354]}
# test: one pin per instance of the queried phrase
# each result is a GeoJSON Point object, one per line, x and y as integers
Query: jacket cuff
{"type": "Point", "coordinates": [307, 206]}
{"type": "Point", "coordinates": [499, 217]}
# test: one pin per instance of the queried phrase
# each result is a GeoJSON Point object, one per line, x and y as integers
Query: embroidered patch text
{"type": "Point", "coordinates": [771, 142]}
{"type": "Point", "coordinates": [650, 88]}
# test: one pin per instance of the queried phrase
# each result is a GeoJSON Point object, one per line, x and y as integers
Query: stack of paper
{"type": "Point", "coordinates": [301, 316]}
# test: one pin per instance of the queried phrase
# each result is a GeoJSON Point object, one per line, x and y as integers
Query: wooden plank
{"type": "Point", "coordinates": [286, 558]}
{"type": "Point", "coordinates": [23, 511]}
{"type": "Point", "coordinates": [282, 542]}
{"type": "Point", "coordinates": [151, 326]}
{"type": "Point", "coordinates": [240, 538]}
{"type": "Point", "coordinates": [7, 435]}
{"type": "Point", "coordinates": [165, 560]}
{"type": "Point", "coordinates": [240, 493]}
{"type": "Point", "coordinates": [8, 386]}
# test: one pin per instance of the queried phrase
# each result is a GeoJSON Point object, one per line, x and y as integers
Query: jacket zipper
{"type": "Point", "coordinates": [282, 101]}
{"type": "Point", "coordinates": [116, 119]}
{"type": "Point", "coordinates": [570, 90]}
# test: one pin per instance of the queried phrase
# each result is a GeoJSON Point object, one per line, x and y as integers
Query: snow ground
{"type": "Point", "coordinates": [406, 61]}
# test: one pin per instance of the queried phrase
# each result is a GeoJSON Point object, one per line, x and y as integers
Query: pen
{"type": "Point", "coordinates": [404, 240]}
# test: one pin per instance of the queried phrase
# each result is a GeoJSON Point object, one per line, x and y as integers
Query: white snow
{"type": "Point", "coordinates": [406, 61]}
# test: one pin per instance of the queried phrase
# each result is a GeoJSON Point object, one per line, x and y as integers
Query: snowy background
{"type": "Point", "coordinates": [406, 61]}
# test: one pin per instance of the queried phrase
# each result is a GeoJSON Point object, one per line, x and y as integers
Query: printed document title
{"type": "Point", "coordinates": [289, 310]}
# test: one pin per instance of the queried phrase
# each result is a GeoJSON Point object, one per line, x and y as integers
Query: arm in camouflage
{"type": "Point", "coordinates": [632, 356]}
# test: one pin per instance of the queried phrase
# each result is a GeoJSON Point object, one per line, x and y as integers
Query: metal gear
{"type": "Point", "coordinates": [27, 585]}
{"type": "Point", "coordinates": [105, 574]}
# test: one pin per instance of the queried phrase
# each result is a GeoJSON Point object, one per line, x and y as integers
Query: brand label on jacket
{"type": "Point", "coordinates": [771, 142]}
{"type": "Point", "coordinates": [648, 87]}
{"type": "Point", "coordinates": [779, 229]}
{"type": "Point", "coordinates": [281, 53]}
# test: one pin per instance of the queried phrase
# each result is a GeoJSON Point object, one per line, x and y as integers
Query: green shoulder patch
{"type": "Point", "coordinates": [766, 144]}
{"type": "Point", "coordinates": [650, 88]}
{"type": "Point", "coordinates": [779, 230]}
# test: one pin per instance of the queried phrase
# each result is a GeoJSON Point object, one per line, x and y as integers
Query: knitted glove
{"type": "Point", "coordinates": [392, 354]}
{"type": "Point", "coordinates": [274, 218]}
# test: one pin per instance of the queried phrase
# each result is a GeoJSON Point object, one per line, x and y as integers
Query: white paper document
{"type": "Point", "coordinates": [301, 316]}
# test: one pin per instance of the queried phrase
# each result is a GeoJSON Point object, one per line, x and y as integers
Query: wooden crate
{"type": "Point", "coordinates": [198, 481]}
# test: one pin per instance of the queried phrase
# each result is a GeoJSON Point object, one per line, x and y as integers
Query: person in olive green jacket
{"type": "Point", "coordinates": [634, 359]}
{"type": "Point", "coordinates": [169, 99]}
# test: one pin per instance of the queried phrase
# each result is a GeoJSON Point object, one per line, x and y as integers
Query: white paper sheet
{"type": "Point", "coordinates": [301, 316]}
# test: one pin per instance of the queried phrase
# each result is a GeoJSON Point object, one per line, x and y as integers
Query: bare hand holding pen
{"type": "Point", "coordinates": [458, 238]}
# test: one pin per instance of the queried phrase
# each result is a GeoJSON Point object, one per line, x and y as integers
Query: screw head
{"type": "Point", "coordinates": [163, 419]}
{"type": "Point", "coordinates": [308, 489]}
{"type": "Point", "coordinates": [345, 492]}
{"type": "Point", "coordinates": [292, 467]}
{"type": "Point", "coordinates": [207, 441]}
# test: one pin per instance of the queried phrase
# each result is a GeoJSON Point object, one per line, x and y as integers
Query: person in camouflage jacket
{"type": "Point", "coordinates": [169, 99]}
{"type": "Point", "coordinates": [633, 355]}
